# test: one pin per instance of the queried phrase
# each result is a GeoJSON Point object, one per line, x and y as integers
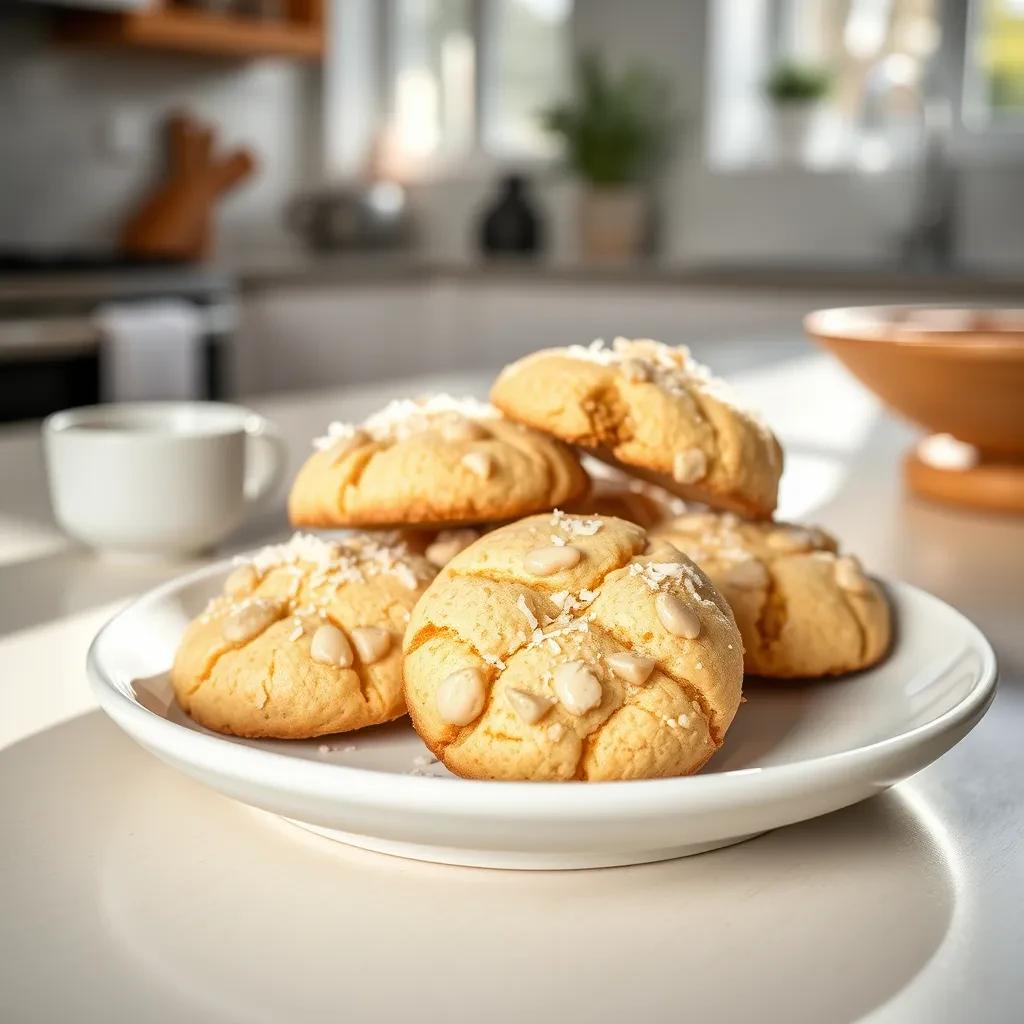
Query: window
{"type": "Point", "coordinates": [906, 74]}
{"type": "Point", "coordinates": [527, 67]}
{"type": "Point", "coordinates": [468, 76]}
{"type": "Point", "coordinates": [994, 65]}
{"type": "Point", "coordinates": [432, 77]}
{"type": "Point", "coordinates": [875, 51]}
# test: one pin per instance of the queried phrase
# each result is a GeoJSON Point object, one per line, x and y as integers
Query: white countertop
{"type": "Point", "coordinates": [131, 893]}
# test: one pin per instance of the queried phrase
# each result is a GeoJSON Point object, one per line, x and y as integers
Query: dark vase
{"type": "Point", "coordinates": [511, 225]}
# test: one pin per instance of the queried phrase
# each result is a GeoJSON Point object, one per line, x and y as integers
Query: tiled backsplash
{"type": "Point", "coordinates": [81, 133]}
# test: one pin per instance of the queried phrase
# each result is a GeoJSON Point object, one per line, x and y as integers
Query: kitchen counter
{"type": "Point", "coordinates": [37, 292]}
{"type": "Point", "coordinates": [133, 893]}
{"type": "Point", "coordinates": [271, 269]}
{"type": "Point", "coordinates": [275, 269]}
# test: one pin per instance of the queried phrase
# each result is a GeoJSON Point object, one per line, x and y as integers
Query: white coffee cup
{"type": "Point", "coordinates": [160, 478]}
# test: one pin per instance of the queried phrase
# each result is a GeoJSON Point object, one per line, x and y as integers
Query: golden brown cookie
{"type": "Point", "coordinates": [559, 647]}
{"type": "Point", "coordinates": [305, 640]}
{"type": "Point", "coordinates": [653, 410]}
{"type": "Point", "coordinates": [616, 494]}
{"type": "Point", "coordinates": [804, 610]}
{"type": "Point", "coordinates": [434, 461]}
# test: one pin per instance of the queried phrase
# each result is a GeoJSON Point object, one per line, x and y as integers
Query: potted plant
{"type": "Point", "coordinates": [615, 130]}
{"type": "Point", "coordinates": [797, 92]}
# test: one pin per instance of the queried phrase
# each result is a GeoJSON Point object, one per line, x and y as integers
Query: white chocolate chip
{"type": "Point", "coordinates": [850, 576]}
{"type": "Point", "coordinates": [330, 647]}
{"type": "Point", "coordinates": [555, 731]}
{"type": "Point", "coordinates": [791, 540]}
{"type": "Point", "coordinates": [479, 463]}
{"type": "Point", "coordinates": [371, 643]}
{"type": "Point", "coordinates": [460, 697]}
{"type": "Point", "coordinates": [578, 689]}
{"type": "Point", "coordinates": [447, 544]}
{"type": "Point", "coordinates": [750, 574]}
{"type": "Point", "coordinates": [530, 707]}
{"type": "Point", "coordinates": [241, 581]}
{"type": "Point", "coordinates": [676, 617]}
{"type": "Point", "coordinates": [459, 428]}
{"type": "Point", "coordinates": [634, 668]}
{"type": "Point", "coordinates": [689, 466]}
{"type": "Point", "coordinates": [548, 561]}
{"type": "Point", "coordinates": [251, 619]}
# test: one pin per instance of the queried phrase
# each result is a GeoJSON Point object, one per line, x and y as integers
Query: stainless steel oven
{"type": "Point", "coordinates": [51, 347]}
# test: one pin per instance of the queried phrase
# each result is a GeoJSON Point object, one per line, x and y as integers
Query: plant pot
{"type": "Point", "coordinates": [794, 129]}
{"type": "Point", "coordinates": [612, 223]}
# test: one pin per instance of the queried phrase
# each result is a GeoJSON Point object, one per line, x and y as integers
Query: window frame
{"type": "Point", "coordinates": [478, 160]}
{"type": "Point", "coordinates": [998, 136]}
{"type": "Point", "coordinates": [973, 139]}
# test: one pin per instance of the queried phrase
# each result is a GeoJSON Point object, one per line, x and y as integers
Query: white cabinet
{"type": "Point", "coordinates": [298, 337]}
{"type": "Point", "coordinates": [320, 336]}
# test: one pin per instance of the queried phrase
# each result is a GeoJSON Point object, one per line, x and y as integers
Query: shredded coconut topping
{"type": "Point", "coordinates": [527, 612]}
{"type": "Point", "coordinates": [568, 622]}
{"type": "Point", "coordinates": [350, 559]}
{"type": "Point", "coordinates": [670, 367]}
{"type": "Point", "coordinates": [336, 434]}
{"type": "Point", "coordinates": [405, 417]}
{"type": "Point", "coordinates": [574, 526]}
{"type": "Point", "coordinates": [660, 576]}
{"type": "Point", "coordinates": [326, 566]}
{"type": "Point", "coordinates": [493, 659]}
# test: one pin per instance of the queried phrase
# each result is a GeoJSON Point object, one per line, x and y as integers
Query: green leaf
{"type": "Point", "coordinates": [616, 129]}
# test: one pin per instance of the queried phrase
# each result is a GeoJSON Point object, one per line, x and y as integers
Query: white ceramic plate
{"type": "Point", "coordinates": [794, 752]}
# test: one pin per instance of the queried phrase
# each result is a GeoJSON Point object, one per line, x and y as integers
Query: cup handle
{"type": "Point", "coordinates": [266, 456]}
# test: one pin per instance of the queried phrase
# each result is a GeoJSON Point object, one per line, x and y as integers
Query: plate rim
{"type": "Point", "coordinates": [537, 800]}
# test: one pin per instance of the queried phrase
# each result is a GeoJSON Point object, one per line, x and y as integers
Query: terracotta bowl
{"type": "Point", "coordinates": [957, 372]}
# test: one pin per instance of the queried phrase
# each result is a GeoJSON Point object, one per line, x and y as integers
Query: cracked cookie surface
{"type": "Point", "coordinates": [305, 640]}
{"type": "Point", "coordinates": [436, 461]}
{"type": "Point", "coordinates": [653, 410]}
{"type": "Point", "coordinates": [803, 608]}
{"type": "Point", "coordinates": [563, 647]}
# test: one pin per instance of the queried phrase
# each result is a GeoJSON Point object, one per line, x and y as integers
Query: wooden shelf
{"type": "Point", "coordinates": [183, 30]}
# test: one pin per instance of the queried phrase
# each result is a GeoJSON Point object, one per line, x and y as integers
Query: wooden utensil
{"type": "Point", "coordinates": [175, 221]}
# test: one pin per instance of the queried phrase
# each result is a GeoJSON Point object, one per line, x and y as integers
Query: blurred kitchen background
{"type": "Point", "coordinates": [216, 198]}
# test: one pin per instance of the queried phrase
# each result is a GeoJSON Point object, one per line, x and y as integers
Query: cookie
{"type": "Point", "coordinates": [305, 640]}
{"type": "Point", "coordinates": [615, 494]}
{"type": "Point", "coordinates": [653, 410]}
{"type": "Point", "coordinates": [444, 545]}
{"type": "Point", "coordinates": [560, 647]}
{"type": "Point", "coordinates": [804, 609]}
{"type": "Point", "coordinates": [434, 461]}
